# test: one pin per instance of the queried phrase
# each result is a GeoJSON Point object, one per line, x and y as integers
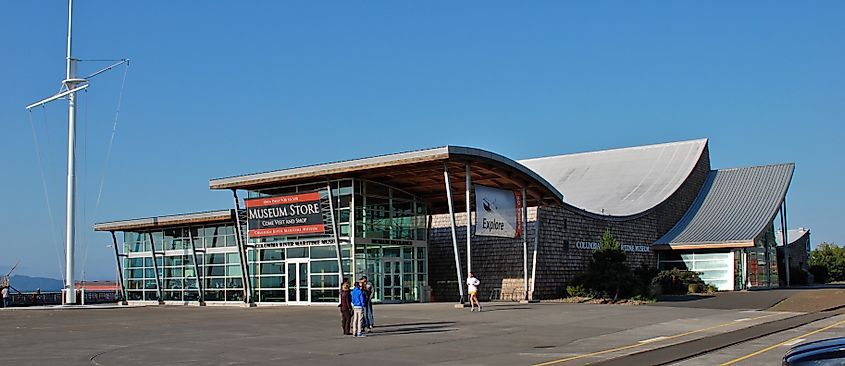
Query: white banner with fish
{"type": "Point", "coordinates": [498, 212]}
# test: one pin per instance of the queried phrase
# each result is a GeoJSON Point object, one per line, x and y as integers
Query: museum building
{"type": "Point", "coordinates": [402, 220]}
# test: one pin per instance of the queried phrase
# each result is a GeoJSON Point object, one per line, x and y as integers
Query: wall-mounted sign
{"type": "Point", "coordinates": [295, 214]}
{"type": "Point", "coordinates": [591, 245]}
{"type": "Point", "coordinates": [498, 212]}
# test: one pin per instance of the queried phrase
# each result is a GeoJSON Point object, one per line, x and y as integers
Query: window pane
{"type": "Point", "coordinates": [324, 251]}
{"type": "Point", "coordinates": [298, 252]}
{"type": "Point", "coordinates": [324, 267]}
{"type": "Point", "coordinates": [272, 254]}
{"type": "Point", "coordinates": [325, 281]}
{"type": "Point", "coordinates": [271, 282]}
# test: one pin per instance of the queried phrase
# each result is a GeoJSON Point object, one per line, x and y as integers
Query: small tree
{"type": "Point", "coordinates": [608, 275]}
{"type": "Point", "coordinates": [827, 262]}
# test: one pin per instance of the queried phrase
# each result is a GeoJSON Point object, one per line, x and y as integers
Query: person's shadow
{"type": "Point", "coordinates": [412, 328]}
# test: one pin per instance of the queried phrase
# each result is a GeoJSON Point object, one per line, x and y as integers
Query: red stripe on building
{"type": "Point", "coordinates": [281, 200]}
{"type": "Point", "coordinates": [290, 230]}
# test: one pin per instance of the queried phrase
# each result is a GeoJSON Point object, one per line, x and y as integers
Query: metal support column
{"type": "Point", "coordinates": [454, 233]}
{"type": "Point", "coordinates": [120, 279]}
{"type": "Point", "coordinates": [197, 274]}
{"type": "Point", "coordinates": [785, 239]}
{"type": "Point", "coordinates": [525, 243]}
{"type": "Point", "coordinates": [336, 234]}
{"type": "Point", "coordinates": [352, 208]}
{"type": "Point", "coordinates": [534, 259]}
{"type": "Point", "coordinates": [469, 218]}
{"type": "Point", "coordinates": [239, 238]}
{"type": "Point", "coordinates": [155, 268]}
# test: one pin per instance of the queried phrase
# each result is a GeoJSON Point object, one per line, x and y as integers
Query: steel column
{"type": "Point", "coordinates": [454, 233]}
{"type": "Point", "coordinates": [242, 250]}
{"type": "Point", "coordinates": [352, 208]}
{"type": "Point", "coordinates": [336, 234]}
{"type": "Point", "coordinates": [120, 279]}
{"type": "Point", "coordinates": [469, 218]}
{"type": "Point", "coordinates": [534, 260]}
{"type": "Point", "coordinates": [785, 239]}
{"type": "Point", "coordinates": [155, 268]}
{"type": "Point", "coordinates": [200, 284]}
{"type": "Point", "coordinates": [525, 243]}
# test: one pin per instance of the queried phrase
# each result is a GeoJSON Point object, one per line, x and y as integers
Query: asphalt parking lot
{"type": "Point", "coordinates": [408, 334]}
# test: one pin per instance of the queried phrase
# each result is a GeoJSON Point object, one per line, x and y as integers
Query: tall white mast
{"type": "Point", "coordinates": [70, 83]}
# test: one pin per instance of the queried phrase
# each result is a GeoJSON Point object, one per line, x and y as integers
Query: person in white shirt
{"type": "Point", "coordinates": [472, 287]}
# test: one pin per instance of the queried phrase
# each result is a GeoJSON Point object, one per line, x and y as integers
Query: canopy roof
{"type": "Point", "coordinates": [417, 172]}
{"type": "Point", "coordinates": [148, 223]}
{"type": "Point", "coordinates": [792, 235]}
{"type": "Point", "coordinates": [732, 209]}
{"type": "Point", "coordinates": [621, 182]}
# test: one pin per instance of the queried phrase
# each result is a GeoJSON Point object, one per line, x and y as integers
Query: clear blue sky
{"type": "Point", "coordinates": [217, 89]}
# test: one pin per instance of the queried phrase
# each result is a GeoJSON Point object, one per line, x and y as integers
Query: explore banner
{"type": "Point", "coordinates": [498, 212]}
{"type": "Point", "coordinates": [295, 214]}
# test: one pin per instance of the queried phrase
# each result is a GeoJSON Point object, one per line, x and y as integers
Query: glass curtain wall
{"type": "Point", "coordinates": [762, 261]}
{"type": "Point", "coordinates": [219, 267]}
{"type": "Point", "coordinates": [714, 268]}
{"type": "Point", "coordinates": [315, 277]}
{"type": "Point", "coordinates": [381, 213]}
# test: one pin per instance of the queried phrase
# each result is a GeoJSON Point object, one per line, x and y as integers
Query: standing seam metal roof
{"type": "Point", "coordinates": [733, 206]}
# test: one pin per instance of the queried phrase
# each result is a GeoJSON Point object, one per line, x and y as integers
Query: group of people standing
{"type": "Point", "coordinates": [356, 304]}
{"type": "Point", "coordinates": [356, 307]}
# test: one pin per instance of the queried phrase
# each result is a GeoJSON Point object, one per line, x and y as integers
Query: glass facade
{"type": "Point", "coordinates": [386, 226]}
{"type": "Point", "coordinates": [218, 268]}
{"type": "Point", "coordinates": [714, 268]}
{"type": "Point", "coordinates": [762, 261]}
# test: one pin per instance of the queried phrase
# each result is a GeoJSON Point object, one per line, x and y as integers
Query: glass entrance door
{"type": "Point", "coordinates": [391, 280]}
{"type": "Point", "coordinates": [297, 276]}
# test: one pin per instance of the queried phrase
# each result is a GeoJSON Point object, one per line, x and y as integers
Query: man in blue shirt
{"type": "Point", "coordinates": [358, 303]}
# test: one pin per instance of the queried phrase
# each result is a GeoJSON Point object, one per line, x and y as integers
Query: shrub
{"type": "Point", "coordinates": [577, 290]}
{"type": "Point", "coordinates": [820, 273]}
{"type": "Point", "coordinates": [832, 259]}
{"type": "Point", "coordinates": [677, 282]}
{"type": "Point", "coordinates": [643, 276]}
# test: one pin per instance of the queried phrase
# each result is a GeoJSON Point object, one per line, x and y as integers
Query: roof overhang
{"type": "Point", "coordinates": [417, 172]}
{"type": "Point", "coordinates": [159, 222]}
{"type": "Point", "coordinates": [694, 246]}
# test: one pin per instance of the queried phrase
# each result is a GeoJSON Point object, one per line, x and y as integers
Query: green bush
{"type": "Point", "coordinates": [820, 273]}
{"type": "Point", "coordinates": [577, 290]}
{"type": "Point", "coordinates": [827, 263]}
{"type": "Point", "coordinates": [678, 282]}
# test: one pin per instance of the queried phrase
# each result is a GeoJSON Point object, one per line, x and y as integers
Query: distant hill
{"type": "Point", "coordinates": [26, 283]}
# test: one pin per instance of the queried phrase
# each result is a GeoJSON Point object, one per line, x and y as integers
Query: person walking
{"type": "Point", "coordinates": [5, 293]}
{"type": "Point", "coordinates": [369, 319]}
{"type": "Point", "coordinates": [472, 289]}
{"type": "Point", "coordinates": [345, 307]}
{"type": "Point", "coordinates": [358, 304]}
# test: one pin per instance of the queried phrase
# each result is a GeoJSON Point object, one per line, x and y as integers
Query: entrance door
{"type": "Point", "coordinates": [297, 276]}
{"type": "Point", "coordinates": [391, 280]}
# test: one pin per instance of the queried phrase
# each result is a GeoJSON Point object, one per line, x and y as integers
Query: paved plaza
{"type": "Point", "coordinates": [408, 334]}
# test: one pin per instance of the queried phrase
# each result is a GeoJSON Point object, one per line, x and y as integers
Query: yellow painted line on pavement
{"type": "Point", "coordinates": [767, 349]}
{"type": "Point", "coordinates": [640, 344]}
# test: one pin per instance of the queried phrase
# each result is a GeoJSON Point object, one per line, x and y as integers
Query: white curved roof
{"type": "Point", "coordinates": [620, 182]}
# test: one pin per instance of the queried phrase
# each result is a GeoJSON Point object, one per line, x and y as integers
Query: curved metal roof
{"type": "Point", "coordinates": [621, 182]}
{"type": "Point", "coordinates": [733, 207]}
